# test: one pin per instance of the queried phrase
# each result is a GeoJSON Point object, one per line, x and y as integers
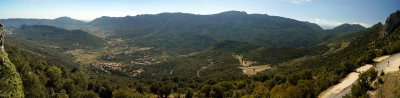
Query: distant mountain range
{"type": "Point", "coordinates": [185, 33]}
{"type": "Point", "coordinates": [61, 22]}
{"type": "Point", "coordinates": [342, 30]}
{"type": "Point", "coordinates": [187, 54]}
{"type": "Point", "coordinates": [231, 25]}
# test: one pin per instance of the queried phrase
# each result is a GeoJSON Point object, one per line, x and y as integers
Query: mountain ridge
{"type": "Point", "coordinates": [58, 37]}
{"type": "Point", "coordinates": [236, 26]}
{"type": "Point", "coordinates": [295, 71]}
{"type": "Point", "coordinates": [233, 12]}
{"type": "Point", "coordinates": [61, 22]}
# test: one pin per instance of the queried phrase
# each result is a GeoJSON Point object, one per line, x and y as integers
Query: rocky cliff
{"type": "Point", "coordinates": [392, 23]}
{"type": "Point", "coordinates": [1, 38]}
{"type": "Point", "coordinates": [10, 80]}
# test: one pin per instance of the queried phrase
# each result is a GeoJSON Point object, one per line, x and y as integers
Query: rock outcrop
{"type": "Point", "coordinates": [1, 38]}
{"type": "Point", "coordinates": [391, 24]}
{"type": "Point", "coordinates": [10, 80]}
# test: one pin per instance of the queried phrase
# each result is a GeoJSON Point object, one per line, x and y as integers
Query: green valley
{"type": "Point", "coordinates": [229, 54]}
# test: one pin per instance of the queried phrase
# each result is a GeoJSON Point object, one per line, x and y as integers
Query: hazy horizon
{"type": "Point", "coordinates": [88, 20]}
{"type": "Point", "coordinates": [327, 14]}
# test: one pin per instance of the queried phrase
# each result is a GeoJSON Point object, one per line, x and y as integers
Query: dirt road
{"type": "Point", "coordinates": [341, 89]}
{"type": "Point", "coordinates": [385, 63]}
{"type": "Point", "coordinates": [390, 64]}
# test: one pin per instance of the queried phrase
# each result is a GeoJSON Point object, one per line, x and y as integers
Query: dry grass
{"type": "Point", "coordinates": [390, 88]}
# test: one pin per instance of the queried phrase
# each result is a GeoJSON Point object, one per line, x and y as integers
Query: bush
{"type": "Point", "coordinates": [380, 81]}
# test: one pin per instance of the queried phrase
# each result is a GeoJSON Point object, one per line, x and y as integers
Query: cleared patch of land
{"type": "Point", "coordinates": [333, 47]}
{"type": "Point", "coordinates": [137, 72]}
{"type": "Point", "coordinates": [252, 70]}
{"type": "Point", "coordinates": [381, 58]}
{"type": "Point", "coordinates": [242, 61]}
{"type": "Point", "coordinates": [247, 68]}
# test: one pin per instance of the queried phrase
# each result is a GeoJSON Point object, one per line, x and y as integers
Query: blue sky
{"type": "Point", "coordinates": [326, 13]}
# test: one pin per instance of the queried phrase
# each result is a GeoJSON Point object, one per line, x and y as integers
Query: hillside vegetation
{"type": "Point", "coordinates": [61, 22]}
{"type": "Point", "coordinates": [10, 80]}
{"type": "Point", "coordinates": [187, 55]}
{"type": "Point", "coordinates": [59, 38]}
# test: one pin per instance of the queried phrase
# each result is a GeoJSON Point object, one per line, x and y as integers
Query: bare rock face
{"type": "Point", "coordinates": [392, 23]}
{"type": "Point", "coordinates": [1, 37]}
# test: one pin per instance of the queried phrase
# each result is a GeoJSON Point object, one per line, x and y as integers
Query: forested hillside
{"type": "Point", "coordinates": [61, 22]}
{"type": "Point", "coordinates": [188, 55]}
{"type": "Point", "coordinates": [343, 30]}
{"type": "Point", "coordinates": [59, 38]}
{"type": "Point", "coordinates": [173, 31]}
{"type": "Point", "coordinates": [10, 80]}
{"type": "Point", "coordinates": [183, 33]}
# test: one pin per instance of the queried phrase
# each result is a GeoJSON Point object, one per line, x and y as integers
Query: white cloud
{"type": "Point", "coordinates": [299, 1]}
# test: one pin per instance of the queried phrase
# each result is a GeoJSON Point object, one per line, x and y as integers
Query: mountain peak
{"type": "Point", "coordinates": [348, 26]}
{"type": "Point", "coordinates": [63, 18]}
{"type": "Point", "coordinates": [392, 22]}
{"type": "Point", "coordinates": [233, 13]}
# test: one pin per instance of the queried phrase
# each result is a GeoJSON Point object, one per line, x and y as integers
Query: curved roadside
{"type": "Point", "coordinates": [390, 64]}
{"type": "Point", "coordinates": [341, 89]}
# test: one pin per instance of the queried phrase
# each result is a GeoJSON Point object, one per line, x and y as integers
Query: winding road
{"type": "Point", "coordinates": [391, 64]}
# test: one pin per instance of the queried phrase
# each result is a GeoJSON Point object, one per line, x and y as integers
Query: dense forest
{"type": "Point", "coordinates": [208, 68]}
